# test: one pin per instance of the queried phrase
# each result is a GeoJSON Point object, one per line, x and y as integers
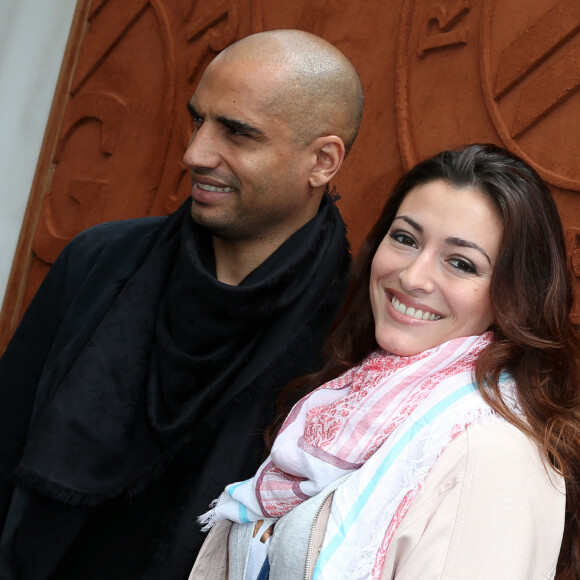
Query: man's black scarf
{"type": "Point", "coordinates": [175, 349]}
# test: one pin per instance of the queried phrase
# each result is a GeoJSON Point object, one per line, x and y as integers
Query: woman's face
{"type": "Point", "coordinates": [431, 275]}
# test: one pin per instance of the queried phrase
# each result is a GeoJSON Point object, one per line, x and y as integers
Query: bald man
{"type": "Point", "coordinates": [148, 365]}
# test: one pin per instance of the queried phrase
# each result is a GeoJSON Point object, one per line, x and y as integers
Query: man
{"type": "Point", "coordinates": [148, 364]}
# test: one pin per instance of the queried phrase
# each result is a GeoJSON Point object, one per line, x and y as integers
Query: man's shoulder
{"type": "Point", "coordinates": [108, 249]}
{"type": "Point", "coordinates": [132, 235]}
{"type": "Point", "coordinates": [120, 231]}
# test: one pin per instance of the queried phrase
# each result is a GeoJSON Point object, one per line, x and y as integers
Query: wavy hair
{"type": "Point", "coordinates": [531, 296]}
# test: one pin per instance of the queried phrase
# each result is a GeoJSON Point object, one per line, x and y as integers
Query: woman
{"type": "Point", "coordinates": [444, 440]}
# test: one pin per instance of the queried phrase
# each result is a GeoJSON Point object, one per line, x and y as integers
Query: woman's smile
{"type": "Point", "coordinates": [431, 275]}
{"type": "Point", "coordinates": [406, 308]}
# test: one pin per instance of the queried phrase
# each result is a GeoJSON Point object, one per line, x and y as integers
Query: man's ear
{"type": "Point", "coordinates": [330, 153]}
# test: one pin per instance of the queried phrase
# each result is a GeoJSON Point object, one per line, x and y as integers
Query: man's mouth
{"type": "Point", "coordinates": [206, 187]}
{"type": "Point", "coordinates": [413, 312]}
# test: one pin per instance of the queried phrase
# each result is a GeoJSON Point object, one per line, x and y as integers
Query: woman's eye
{"type": "Point", "coordinates": [404, 239]}
{"type": "Point", "coordinates": [463, 265]}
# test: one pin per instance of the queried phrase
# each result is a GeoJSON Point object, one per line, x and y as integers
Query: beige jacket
{"type": "Point", "coordinates": [490, 509]}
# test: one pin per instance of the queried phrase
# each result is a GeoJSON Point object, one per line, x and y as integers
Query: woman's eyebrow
{"type": "Point", "coordinates": [451, 240]}
{"type": "Point", "coordinates": [411, 222]}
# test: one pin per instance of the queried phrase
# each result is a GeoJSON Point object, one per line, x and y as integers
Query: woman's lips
{"type": "Point", "coordinates": [409, 310]}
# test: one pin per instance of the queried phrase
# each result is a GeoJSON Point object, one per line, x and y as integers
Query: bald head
{"type": "Point", "coordinates": [318, 91]}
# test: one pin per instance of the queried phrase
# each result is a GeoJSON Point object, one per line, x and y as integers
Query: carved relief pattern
{"type": "Point", "coordinates": [573, 244]}
{"type": "Point", "coordinates": [530, 50]}
{"type": "Point", "coordinates": [491, 71]}
{"type": "Point", "coordinates": [445, 32]}
{"type": "Point", "coordinates": [531, 81]}
{"type": "Point", "coordinates": [504, 71]}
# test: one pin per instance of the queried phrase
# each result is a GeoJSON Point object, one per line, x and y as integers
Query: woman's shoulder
{"type": "Point", "coordinates": [493, 456]}
{"type": "Point", "coordinates": [490, 487]}
{"type": "Point", "coordinates": [502, 447]}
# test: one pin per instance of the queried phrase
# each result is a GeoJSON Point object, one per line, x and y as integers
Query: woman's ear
{"type": "Point", "coordinates": [330, 152]}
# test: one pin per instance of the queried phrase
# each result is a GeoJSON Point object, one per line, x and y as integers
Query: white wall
{"type": "Point", "coordinates": [33, 35]}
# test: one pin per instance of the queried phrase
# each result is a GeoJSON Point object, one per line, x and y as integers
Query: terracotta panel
{"type": "Point", "coordinates": [436, 75]}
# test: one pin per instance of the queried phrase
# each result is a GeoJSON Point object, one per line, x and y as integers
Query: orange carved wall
{"type": "Point", "coordinates": [436, 73]}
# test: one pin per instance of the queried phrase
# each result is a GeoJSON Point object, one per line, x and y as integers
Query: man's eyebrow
{"type": "Point", "coordinates": [239, 126]}
{"type": "Point", "coordinates": [192, 110]}
{"type": "Point", "coordinates": [231, 124]}
{"type": "Point", "coordinates": [451, 240]}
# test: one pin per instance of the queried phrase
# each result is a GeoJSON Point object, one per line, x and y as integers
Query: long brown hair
{"type": "Point", "coordinates": [531, 296]}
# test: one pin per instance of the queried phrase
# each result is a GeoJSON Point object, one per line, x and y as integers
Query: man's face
{"type": "Point", "coordinates": [249, 176]}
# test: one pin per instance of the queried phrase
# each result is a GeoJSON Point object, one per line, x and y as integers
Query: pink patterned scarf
{"type": "Point", "coordinates": [384, 422]}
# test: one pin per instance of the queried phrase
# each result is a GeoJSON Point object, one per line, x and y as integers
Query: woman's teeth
{"type": "Point", "coordinates": [412, 312]}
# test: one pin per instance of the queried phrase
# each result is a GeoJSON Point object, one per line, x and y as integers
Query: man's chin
{"type": "Point", "coordinates": [217, 225]}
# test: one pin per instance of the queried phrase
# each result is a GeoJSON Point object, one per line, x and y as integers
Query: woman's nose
{"type": "Point", "coordinates": [418, 275]}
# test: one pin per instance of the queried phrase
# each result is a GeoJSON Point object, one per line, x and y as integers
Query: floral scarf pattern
{"type": "Point", "coordinates": [383, 423]}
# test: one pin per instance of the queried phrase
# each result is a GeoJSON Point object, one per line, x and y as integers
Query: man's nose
{"type": "Point", "coordinates": [202, 150]}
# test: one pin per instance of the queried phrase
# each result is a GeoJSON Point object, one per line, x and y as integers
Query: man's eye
{"type": "Point", "coordinates": [196, 118]}
{"type": "Point", "coordinates": [197, 123]}
{"type": "Point", "coordinates": [463, 265]}
{"type": "Point", "coordinates": [237, 131]}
